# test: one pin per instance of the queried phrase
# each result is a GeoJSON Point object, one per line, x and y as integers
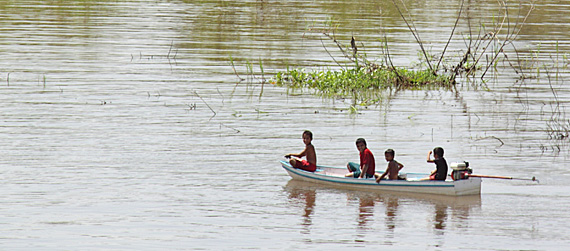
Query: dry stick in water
{"type": "Point", "coordinates": [262, 77]}
{"type": "Point", "coordinates": [520, 69]}
{"type": "Point", "coordinates": [337, 44]}
{"type": "Point", "coordinates": [450, 36]}
{"type": "Point", "coordinates": [170, 49]}
{"type": "Point", "coordinates": [234, 68]}
{"type": "Point", "coordinates": [509, 38]}
{"type": "Point", "coordinates": [168, 55]}
{"type": "Point", "coordinates": [206, 104]}
{"type": "Point", "coordinates": [555, 128]}
{"type": "Point", "coordinates": [354, 57]}
{"type": "Point", "coordinates": [414, 33]}
{"type": "Point", "coordinates": [492, 137]}
{"type": "Point", "coordinates": [390, 60]}
{"type": "Point", "coordinates": [334, 59]}
{"type": "Point", "coordinates": [236, 130]}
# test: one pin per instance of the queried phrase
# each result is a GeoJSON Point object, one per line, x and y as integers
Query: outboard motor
{"type": "Point", "coordinates": [461, 170]}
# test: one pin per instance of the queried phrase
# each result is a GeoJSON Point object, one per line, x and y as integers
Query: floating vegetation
{"type": "Point", "coordinates": [365, 80]}
{"type": "Point", "coordinates": [360, 83]}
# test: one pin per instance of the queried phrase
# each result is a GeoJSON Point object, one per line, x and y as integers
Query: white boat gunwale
{"type": "Point", "coordinates": [451, 187]}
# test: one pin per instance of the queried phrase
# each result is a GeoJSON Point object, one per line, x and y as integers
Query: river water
{"type": "Point", "coordinates": [123, 126]}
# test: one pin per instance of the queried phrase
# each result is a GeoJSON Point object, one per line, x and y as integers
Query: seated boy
{"type": "Point", "coordinates": [311, 163]}
{"type": "Point", "coordinates": [367, 165]}
{"type": "Point", "coordinates": [440, 172]}
{"type": "Point", "coordinates": [393, 167]}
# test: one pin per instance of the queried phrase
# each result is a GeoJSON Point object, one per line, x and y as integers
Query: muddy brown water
{"type": "Point", "coordinates": [123, 126]}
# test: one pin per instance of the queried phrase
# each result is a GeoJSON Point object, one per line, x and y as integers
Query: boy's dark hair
{"type": "Point", "coordinates": [308, 133]}
{"type": "Point", "coordinates": [438, 151]}
{"type": "Point", "coordinates": [391, 152]}
{"type": "Point", "coordinates": [361, 140]}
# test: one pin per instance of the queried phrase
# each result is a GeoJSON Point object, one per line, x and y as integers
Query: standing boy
{"type": "Point", "coordinates": [393, 166]}
{"type": "Point", "coordinates": [311, 163]}
{"type": "Point", "coordinates": [440, 172]}
{"type": "Point", "coordinates": [367, 165]}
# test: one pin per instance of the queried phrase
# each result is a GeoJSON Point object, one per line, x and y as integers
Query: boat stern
{"type": "Point", "coordinates": [469, 186]}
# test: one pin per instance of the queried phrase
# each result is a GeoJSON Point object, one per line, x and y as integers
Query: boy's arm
{"type": "Point", "coordinates": [383, 175]}
{"type": "Point", "coordinates": [301, 154]}
{"type": "Point", "coordinates": [364, 169]}
{"type": "Point", "coordinates": [429, 157]}
{"type": "Point", "coordinates": [400, 165]}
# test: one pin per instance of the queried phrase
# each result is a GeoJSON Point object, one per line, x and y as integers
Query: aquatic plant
{"type": "Point", "coordinates": [361, 76]}
{"type": "Point", "coordinates": [360, 82]}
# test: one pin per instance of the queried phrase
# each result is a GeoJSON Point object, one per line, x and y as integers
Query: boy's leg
{"type": "Point", "coordinates": [293, 162]}
{"type": "Point", "coordinates": [352, 167]}
{"type": "Point", "coordinates": [305, 165]}
{"type": "Point", "coordinates": [353, 174]}
{"type": "Point", "coordinates": [354, 170]}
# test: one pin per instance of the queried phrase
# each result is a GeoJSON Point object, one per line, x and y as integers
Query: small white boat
{"type": "Point", "coordinates": [335, 176]}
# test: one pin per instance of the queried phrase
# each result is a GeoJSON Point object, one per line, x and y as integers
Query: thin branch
{"type": "Point", "coordinates": [170, 49]}
{"type": "Point", "coordinates": [491, 137]}
{"type": "Point", "coordinates": [390, 60]}
{"type": "Point", "coordinates": [450, 36]}
{"type": "Point", "coordinates": [494, 37]}
{"type": "Point", "coordinates": [508, 39]}
{"type": "Point", "coordinates": [338, 45]}
{"type": "Point", "coordinates": [416, 36]}
{"type": "Point", "coordinates": [206, 104]}
{"type": "Point", "coordinates": [236, 130]}
{"type": "Point", "coordinates": [234, 68]}
{"type": "Point", "coordinates": [331, 54]}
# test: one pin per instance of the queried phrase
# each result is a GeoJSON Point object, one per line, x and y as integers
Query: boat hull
{"type": "Point", "coordinates": [335, 177]}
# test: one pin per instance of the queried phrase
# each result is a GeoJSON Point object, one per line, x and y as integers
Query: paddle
{"type": "Point", "coordinates": [503, 177]}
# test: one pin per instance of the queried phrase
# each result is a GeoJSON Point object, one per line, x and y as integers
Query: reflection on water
{"type": "Point", "coordinates": [366, 207]}
{"type": "Point", "coordinates": [305, 196]}
{"type": "Point", "coordinates": [391, 204]}
{"type": "Point", "coordinates": [396, 207]}
{"type": "Point", "coordinates": [365, 211]}
{"type": "Point", "coordinates": [440, 217]}
{"type": "Point", "coordinates": [460, 208]}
